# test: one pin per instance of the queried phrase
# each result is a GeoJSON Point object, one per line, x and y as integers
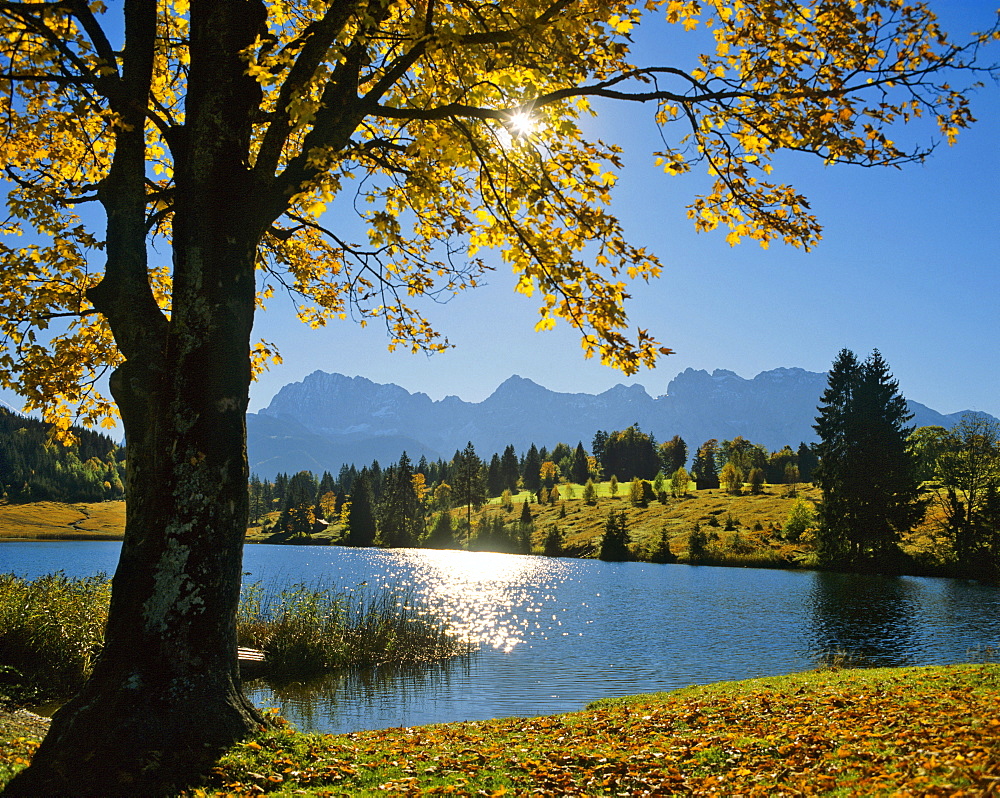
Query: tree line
{"type": "Point", "coordinates": [879, 477]}
{"type": "Point", "coordinates": [410, 504]}
{"type": "Point", "coordinates": [35, 468]}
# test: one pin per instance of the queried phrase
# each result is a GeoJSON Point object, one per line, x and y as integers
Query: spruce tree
{"type": "Point", "coordinates": [510, 469]}
{"type": "Point", "coordinates": [468, 481]}
{"type": "Point", "coordinates": [361, 516]}
{"type": "Point", "coordinates": [494, 477]}
{"type": "Point", "coordinates": [703, 469]}
{"type": "Point", "coordinates": [401, 515]}
{"type": "Point", "coordinates": [553, 545]}
{"type": "Point", "coordinates": [867, 473]}
{"type": "Point", "coordinates": [581, 467]}
{"type": "Point", "coordinates": [614, 544]}
{"type": "Point", "coordinates": [532, 466]}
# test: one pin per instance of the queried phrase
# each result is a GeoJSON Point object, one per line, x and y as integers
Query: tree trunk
{"type": "Point", "coordinates": [164, 698]}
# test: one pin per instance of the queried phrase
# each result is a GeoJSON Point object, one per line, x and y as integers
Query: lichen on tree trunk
{"type": "Point", "coordinates": [164, 698]}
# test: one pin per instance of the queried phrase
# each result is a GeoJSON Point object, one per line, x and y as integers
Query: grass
{"type": "Point", "coordinates": [883, 732]}
{"type": "Point", "coordinates": [59, 521]}
{"type": "Point", "coordinates": [306, 630]}
{"type": "Point", "coordinates": [911, 731]}
{"type": "Point", "coordinates": [753, 541]}
{"type": "Point", "coordinates": [52, 629]}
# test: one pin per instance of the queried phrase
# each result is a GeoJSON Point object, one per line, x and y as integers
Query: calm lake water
{"type": "Point", "coordinates": [554, 634]}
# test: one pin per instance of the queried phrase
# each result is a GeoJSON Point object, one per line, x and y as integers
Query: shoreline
{"type": "Point", "coordinates": [886, 731]}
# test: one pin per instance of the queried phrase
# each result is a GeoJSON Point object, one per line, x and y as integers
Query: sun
{"type": "Point", "coordinates": [521, 124]}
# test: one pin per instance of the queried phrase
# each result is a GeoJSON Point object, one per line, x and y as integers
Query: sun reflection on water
{"type": "Point", "coordinates": [489, 599]}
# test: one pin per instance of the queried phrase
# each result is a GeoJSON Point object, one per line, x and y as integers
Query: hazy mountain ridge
{"type": "Point", "coordinates": [327, 420]}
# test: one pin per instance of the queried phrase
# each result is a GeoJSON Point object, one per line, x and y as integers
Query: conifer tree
{"type": "Point", "coordinates": [662, 553]}
{"type": "Point", "coordinates": [614, 544]}
{"type": "Point", "coordinates": [867, 473]}
{"type": "Point", "coordinates": [532, 470]}
{"type": "Point", "coordinates": [581, 466]}
{"type": "Point", "coordinates": [553, 545]}
{"type": "Point", "coordinates": [468, 481]}
{"type": "Point", "coordinates": [400, 515]}
{"type": "Point", "coordinates": [494, 477]}
{"type": "Point", "coordinates": [526, 517]}
{"type": "Point", "coordinates": [510, 469]}
{"type": "Point", "coordinates": [703, 469]}
{"type": "Point", "coordinates": [361, 516]}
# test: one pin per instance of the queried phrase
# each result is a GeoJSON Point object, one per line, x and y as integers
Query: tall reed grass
{"type": "Point", "coordinates": [52, 630]}
{"type": "Point", "coordinates": [305, 629]}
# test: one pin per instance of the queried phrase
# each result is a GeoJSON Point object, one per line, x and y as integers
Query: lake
{"type": "Point", "coordinates": [554, 634]}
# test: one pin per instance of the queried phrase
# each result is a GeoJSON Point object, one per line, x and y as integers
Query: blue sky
{"type": "Point", "coordinates": [908, 264]}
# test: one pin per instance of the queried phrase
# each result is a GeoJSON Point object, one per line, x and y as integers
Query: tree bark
{"type": "Point", "coordinates": [164, 699]}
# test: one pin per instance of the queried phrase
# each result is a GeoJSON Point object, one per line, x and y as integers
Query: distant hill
{"type": "Point", "coordinates": [31, 470]}
{"type": "Point", "coordinates": [327, 420]}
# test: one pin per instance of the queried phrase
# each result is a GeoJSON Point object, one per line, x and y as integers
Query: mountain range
{"type": "Point", "coordinates": [328, 420]}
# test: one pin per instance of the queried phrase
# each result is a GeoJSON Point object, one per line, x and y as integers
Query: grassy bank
{"type": "Point", "coordinates": [917, 731]}
{"type": "Point", "coordinates": [51, 631]}
{"type": "Point", "coordinates": [901, 732]}
{"type": "Point", "coordinates": [59, 521]}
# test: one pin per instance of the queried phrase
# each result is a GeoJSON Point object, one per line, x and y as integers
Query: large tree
{"type": "Point", "coordinates": [868, 473]}
{"type": "Point", "coordinates": [169, 166]}
{"type": "Point", "coordinates": [968, 473]}
{"type": "Point", "coordinates": [630, 453]}
{"type": "Point", "coordinates": [468, 482]}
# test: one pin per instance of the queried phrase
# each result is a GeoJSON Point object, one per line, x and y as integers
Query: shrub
{"type": "Point", "coordinates": [801, 517]}
{"type": "Point", "coordinates": [553, 546]}
{"type": "Point", "coordinates": [697, 545]}
{"type": "Point", "coordinates": [52, 629]}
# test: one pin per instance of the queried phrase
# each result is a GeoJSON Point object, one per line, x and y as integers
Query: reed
{"type": "Point", "coordinates": [305, 629]}
{"type": "Point", "coordinates": [51, 630]}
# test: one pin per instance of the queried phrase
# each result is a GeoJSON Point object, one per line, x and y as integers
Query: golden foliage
{"type": "Point", "coordinates": [453, 130]}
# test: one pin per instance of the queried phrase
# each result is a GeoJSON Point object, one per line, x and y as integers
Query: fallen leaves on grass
{"type": "Point", "coordinates": [920, 731]}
